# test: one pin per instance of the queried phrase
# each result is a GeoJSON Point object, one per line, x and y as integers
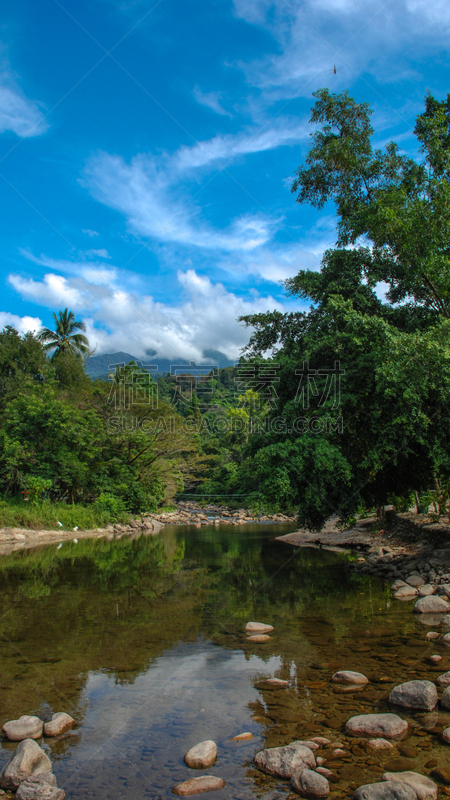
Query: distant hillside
{"type": "Point", "coordinates": [100, 366]}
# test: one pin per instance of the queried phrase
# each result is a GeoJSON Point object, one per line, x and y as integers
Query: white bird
{"type": "Point", "coordinates": [76, 528]}
{"type": "Point", "coordinates": [59, 523]}
{"type": "Point", "coordinates": [59, 546]}
{"type": "Point", "coordinates": [76, 541]}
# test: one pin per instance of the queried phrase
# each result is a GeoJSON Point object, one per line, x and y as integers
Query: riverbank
{"type": "Point", "coordinates": [186, 513]}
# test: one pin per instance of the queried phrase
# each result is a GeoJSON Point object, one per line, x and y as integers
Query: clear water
{"type": "Point", "coordinates": [142, 641]}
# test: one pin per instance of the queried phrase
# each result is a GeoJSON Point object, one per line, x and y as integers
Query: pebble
{"type": "Point", "coordinates": [25, 727]}
{"type": "Point", "coordinates": [322, 740]}
{"type": "Point", "coordinates": [310, 784]}
{"type": "Point", "coordinates": [435, 659]}
{"type": "Point", "coordinates": [446, 735]}
{"type": "Point", "coordinates": [386, 725]}
{"type": "Point", "coordinates": [446, 638]}
{"type": "Point", "coordinates": [401, 764]}
{"type": "Point", "coordinates": [424, 788]}
{"type": "Point", "coordinates": [432, 635]}
{"type": "Point", "coordinates": [258, 627]}
{"type": "Point", "coordinates": [202, 755]}
{"type": "Point", "coordinates": [428, 589]}
{"type": "Point", "coordinates": [442, 774]}
{"type": "Point", "coordinates": [446, 620]}
{"type": "Point", "coordinates": [348, 676]}
{"type": "Point", "coordinates": [205, 783]}
{"type": "Point", "coordinates": [241, 737]}
{"type": "Point", "coordinates": [277, 682]}
{"type": "Point", "coordinates": [420, 695]}
{"type": "Point", "coordinates": [380, 744]}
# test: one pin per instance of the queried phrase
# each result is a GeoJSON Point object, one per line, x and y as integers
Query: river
{"type": "Point", "coordinates": [142, 641]}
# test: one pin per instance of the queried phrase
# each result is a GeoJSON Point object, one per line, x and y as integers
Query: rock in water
{"type": "Point", "coordinates": [387, 725]}
{"type": "Point", "coordinates": [380, 744]}
{"type": "Point", "coordinates": [386, 790]}
{"type": "Point", "coordinates": [284, 761]}
{"type": "Point", "coordinates": [415, 580]}
{"type": "Point", "coordinates": [242, 737]}
{"type": "Point", "coordinates": [444, 679]}
{"type": "Point", "coordinates": [28, 759]}
{"type": "Point", "coordinates": [23, 728]}
{"type": "Point", "coordinates": [310, 784]}
{"type": "Point", "coordinates": [59, 723]}
{"type": "Point", "coordinates": [424, 788]}
{"type": "Point", "coordinates": [277, 682]}
{"type": "Point", "coordinates": [40, 787]}
{"type": "Point", "coordinates": [406, 591]}
{"type": "Point", "coordinates": [445, 699]}
{"type": "Point", "coordinates": [205, 783]}
{"type": "Point", "coordinates": [421, 695]}
{"type": "Point", "coordinates": [446, 735]}
{"type": "Point", "coordinates": [258, 627]}
{"type": "Point", "coordinates": [442, 774]}
{"type": "Point", "coordinates": [202, 755]}
{"type": "Point", "coordinates": [348, 676]}
{"type": "Point", "coordinates": [431, 605]}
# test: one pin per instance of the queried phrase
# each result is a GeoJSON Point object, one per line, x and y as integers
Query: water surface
{"type": "Point", "coordinates": [142, 641]}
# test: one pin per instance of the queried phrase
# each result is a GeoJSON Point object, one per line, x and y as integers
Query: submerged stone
{"type": "Point", "coordinates": [205, 783]}
{"type": "Point", "coordinates": [202, 755]}
{"type": "Point", "coordinates": [386, 790]}
{"type": "Point", "coordinates": [348, 676]}
{"type": "Point", "coordinates": [28, 759]}
{"type": "Point", "coordinates": [258, 627]}
{"type": "Point", "coordinates": [284, 761]}
{"type": "Point", "coordinates": [424, 788]}
{"type": "Point", "coordinates": [386, 725]}
{"type": "Point", "coordinates": [310, 784]}
{"type": "Point", "coordinates": [421, 695]}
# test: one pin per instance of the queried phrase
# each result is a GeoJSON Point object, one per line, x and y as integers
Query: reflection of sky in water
{"type": "Point", "coordinates": [194, 692]}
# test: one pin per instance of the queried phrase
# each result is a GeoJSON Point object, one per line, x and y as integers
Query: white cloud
{"type": "Point", "coordinates": [312, 36]}
{"type": "Point", "coordinates": [118, 319]}
{"type": "Point", "coordinates": [90, 233]}
{"type": "Point", "coordinates": [210, 100]}
{"type": "Point", "coordinates": [149, 190]}
{"type": "Point", "coordinates": [18, 113]}
{"type": "Point", "coordinates": [102, 253]}
{"type": "Point", "coordinates": [95, 272]}
{"type": "Point", "coordinates": [21, 324]}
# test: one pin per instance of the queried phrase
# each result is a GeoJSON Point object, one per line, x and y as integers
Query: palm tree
{"type": "Point", "coordinates": [64, 339]}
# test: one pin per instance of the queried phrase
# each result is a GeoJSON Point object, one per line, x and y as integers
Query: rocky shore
{"type": "Point", "coordinates": [186, 513]}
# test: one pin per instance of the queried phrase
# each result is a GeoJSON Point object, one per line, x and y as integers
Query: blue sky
{"type": "Point", "coordinates": [147, 151]}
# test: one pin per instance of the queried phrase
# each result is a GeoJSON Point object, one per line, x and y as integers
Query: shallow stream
{"type": "Point", "coordinates": [142, 641]}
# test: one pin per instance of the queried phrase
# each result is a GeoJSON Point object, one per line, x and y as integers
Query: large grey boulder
{"type": "Point", "coordinates": [386, 790]}
{"type": "Point", "coordinates": [424, 788]}
{"type": "Point", "coordinates": [59, 723]}
{"type": "Point", "coordinates": [431, 605]}
{"type": "Point", "coordinates": [386, 725]}
{"type": "Point", "coordinates": [284, 761]}
{"type": "Point", "coordinates": [415, 580]}
{"type": "Point", "coordinates": [202, 755]}
{"type": "Point", "coordinates": [310, 784]}
{"type": "Point", "coordinates": [25, 727]}
{"type": "Point", "coordinates": [421, 695]}
{"type": "Point", "coordinates": [28, 759]}
{"type": "Point", "coordinates": [40, 787]}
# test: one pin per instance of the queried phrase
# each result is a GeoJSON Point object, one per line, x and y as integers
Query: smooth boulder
{"type": "Point", "coordinates": [205, 783]}
{"type": "Point", "coordinates": [28, 759]}
{"type": "Point", "coordinates": [444, 679]}
{"type": "Point", "coordinates": [26, 727]}
{"type": "Point", "coordinates": [386, 790]}
{"type": "Point", "coordinates": [259, 638]}
{"type": "Point", "coordinates": [420, 695]}
{"type": "Point", "coordinates": [284, 761]}
{"type": "Point", "coordinates": [424, 788]}
{"type": "Point", "coordinates": [258, 627]}
{"type": "Point", "coordinates": [59, 723]}
{"type": "Point", "coordinates": [310, 784]}
{"type": "Point", "coordinates": [348, 676]}
{"type": "Point", "coordinates": [445, 698]}
{"type": "Point", "coordinates": [40, 787]}
{"type": "Point", "coordinates": [202, 755]}
{"type": "Point", "coordinates": [388, 726]}
{"type": "Point", "coordinates": [431, 605]}
{"type": "Point", "coordinates": [406, 591]}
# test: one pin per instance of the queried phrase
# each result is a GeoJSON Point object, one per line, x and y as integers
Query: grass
{"type": "Point", "coordinates": [16, 513]}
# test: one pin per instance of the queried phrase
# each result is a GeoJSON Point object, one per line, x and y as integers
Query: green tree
{"type": "Point", "coordinates": [65, 338]}
{"type": "Point", "coordinates": [401, 205]}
